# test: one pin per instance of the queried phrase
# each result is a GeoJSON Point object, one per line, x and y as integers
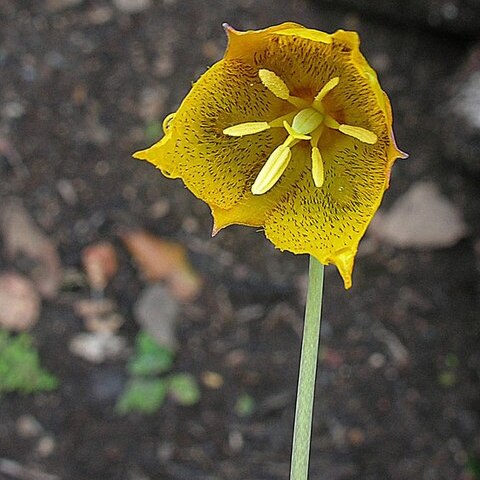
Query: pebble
{"type": "Point", "coordinates": [19, 302]}
{"type": "Point", "coordinates": [28, 426]}
{"type": "Point", "coordinates": [212, 380]}
{"type": "Point", "coordinates": [376, 360]}
{"type": "Point", "coordinates": [45, 446]}
{"type": "Point", "coordinates": [422, 218]}
{"type": "Point", "coordinates": [156, 311]}
{"type": "Point", "coordinates": [98, 347]}
{"type": "Point", "coordinates": [132, 6]}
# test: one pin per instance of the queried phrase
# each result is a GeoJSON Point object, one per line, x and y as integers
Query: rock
{"type": "Point", "coordinates": [19, 302]}
{"type": "Point", "coordinates": [98, 347]}
{"type": "Point", "coordinates": [156, 312]}
{"type": "Point", "coordinates": [422, 218]}
{"type": "Point", "coordinates": [461, 115]}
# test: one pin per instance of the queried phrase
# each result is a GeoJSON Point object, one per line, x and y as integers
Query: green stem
{"type": "Point", "coordinates": [302, 430]}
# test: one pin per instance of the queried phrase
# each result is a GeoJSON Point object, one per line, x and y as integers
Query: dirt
{"type": "Point", "coordinates": [83, 85]}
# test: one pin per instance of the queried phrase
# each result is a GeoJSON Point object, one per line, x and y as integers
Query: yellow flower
{"type": "Point", "coordinates": [291, 132]}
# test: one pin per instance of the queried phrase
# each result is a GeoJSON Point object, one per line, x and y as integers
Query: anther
{"type": "Point", "coordinates": [272, 170]}
{"type": "Point", "coordinates": [247, 128]}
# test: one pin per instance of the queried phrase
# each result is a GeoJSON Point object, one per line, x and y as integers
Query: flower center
{"type": "Point", "coordinates": [306, 123]}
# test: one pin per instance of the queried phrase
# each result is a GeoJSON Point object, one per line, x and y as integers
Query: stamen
{"type": "Point", "coordinates": [274, 83]}
{"type": "Point", "coordinates": [330, 122]}
{"type": "Point", "coordinates": [329, 86]}
{"type": "Point", "coordinates": [294, 134]}
{"type": "Point", "coordinates": [317, 167]}
{"type": "Point", "coordinates": [307, 120]}
{"type": "Point", "coordinates": [279, 88]}
{"type": "Point", "coordinates": [362, 134]}
{"type": "Point", "coordinates": [272, 170]}
{"type": "Point", "coordinates": [247, 128]}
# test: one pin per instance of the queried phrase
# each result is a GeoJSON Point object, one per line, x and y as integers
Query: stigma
{"type": "Point", "coordinates": [305, 123]}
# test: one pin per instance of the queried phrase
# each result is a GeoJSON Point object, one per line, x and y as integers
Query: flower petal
{"type": "Point", "coordinates": [308, 34]}
{"type": "Point", "coordinates": [219, 168]}
{"type": "Point", "coordinates": [328, 222]}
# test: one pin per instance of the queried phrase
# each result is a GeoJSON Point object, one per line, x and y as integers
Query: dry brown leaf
{"type": "Point", "coordinates": [160, 259]}
{"type": "Point", "coordinates": [22, 236]}
{"type": "Point", "coordinates": [100, 263]}
{"type": "Point", "coordinates": [19, 302]}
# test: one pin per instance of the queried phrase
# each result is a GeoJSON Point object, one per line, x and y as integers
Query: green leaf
{"type": "Point", "coordinates": [150, 358]}
{"type": "Point", "coordinates": [20, 369]}
{"type": "Point", "coordinates": [245, 405]}
{"type": "Point", "coordinates": [184, 389]}
{"type": "Point", "coordinates": [142, 395]}
{"type": "Point", "coordinates": [153, 130]}
{"type": "Point", "coordinates": [473, 465]}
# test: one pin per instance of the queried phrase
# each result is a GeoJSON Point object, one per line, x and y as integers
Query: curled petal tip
{"type": "Point", "coordinates": [215, 230]}
{"type": "Point", "coordinates": [227, 27]}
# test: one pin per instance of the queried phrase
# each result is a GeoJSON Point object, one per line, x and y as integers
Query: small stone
{"type": "Point", "coordinates": [156, 312]}
{"type": "Point", "coordinates": [132, 6]}
{"type": "Point", "coordinates": [19, 302]}
{"type": "Point", "coordinates": [45, 446]}
{"type": "Point", "coordinates": [67, 191]}
{"type": "Point", "coordinates": [28, 426]}
{"type": "Point", "coordinates": [235, 441]}
{"type": "Point", "coordinates": [376, 360]}
{"type": "Point", "coordinates": [98, 347]}
{"type": "Point", "coordinates": [355, 436]}
{"type": "Point", "coordinates": [152, 103]}
{"type": "Point", "coordinates": [100, 14]}
{"type": "Point", "coordinates": [212, 380]}
{"type": "Point", "coordinates": [422, 218]}
{"type": "Point", "coordinates": [165, 451]}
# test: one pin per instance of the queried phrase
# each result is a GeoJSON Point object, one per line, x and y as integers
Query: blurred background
{"type": "Point", "coordinates": [134, 346]}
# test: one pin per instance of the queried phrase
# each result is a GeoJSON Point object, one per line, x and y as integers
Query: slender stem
{"type": "Point", "coordinates": [302, 430]}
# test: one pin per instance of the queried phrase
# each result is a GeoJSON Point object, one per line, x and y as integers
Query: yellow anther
{"type": "Point", "coordinates": [362, 134]}
{"type": "Point", "coordinates": [329, 86]}
{"type": "Point", "coordinates": [317, 167]}
{"type": "Point", "coordinates": [247, 128]}
{"type": "Point", "coordinates": [272, 170]}
{"type": "Point", "coordinates": [166, 122]}
{"type": "Point", "coordinates": [294, 134]}
{"type": "Point", "coordinates": [279, 88]}
{"type": "Point", "coordinates": [274, 83]}
{"type": "Point", "coordinates": [307, 120]}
